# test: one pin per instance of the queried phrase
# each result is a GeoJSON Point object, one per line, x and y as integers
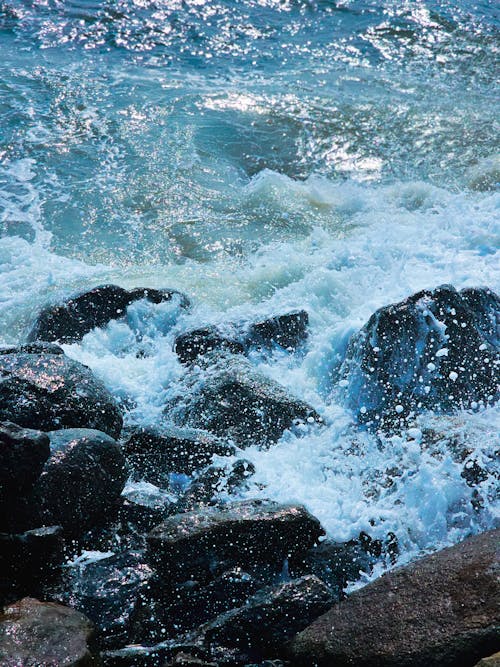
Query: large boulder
{"type": "Point", "coordinates": [229, 398]}
{"type": "Point", "coordinates": [193, 544]}
{"type": "Point", "coordinates": [47, 391]}
{"type": "Point", "coordinates": [43, 633]}
{"type": "Point", "coordinates": [194, 343]}
{"type": "Point", "coordinates": [69, 321]}
{"type": "Point", "coordinates": [82, 480]}
{"type": "Point", "coordinates": [155, 453]}
{"type": "Point", "coordinates": [262, 626]}
{"type": "Point", "coordinates": [23, 453]}
{"type": "Point", "coordinates": [288, 331]}
{"type": "Point", "coordinates": [440, 611]}
{"type": "Point", "coordinates": [435, 350]}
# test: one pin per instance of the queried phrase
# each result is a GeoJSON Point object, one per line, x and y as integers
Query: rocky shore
{"type": "Point", "coordinates": [91, 574]}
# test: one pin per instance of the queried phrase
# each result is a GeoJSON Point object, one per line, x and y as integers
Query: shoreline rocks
{"type": "Point", "coordinates": [69, 321]}
{"type": "Point", "coordinates": [440, 611]}
{"type": "Point", "coordinates": [48, 391]}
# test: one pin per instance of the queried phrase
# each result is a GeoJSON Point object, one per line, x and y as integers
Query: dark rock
{"type": "Point", "coordinates": [197, 604]}
{"type": "Point", "coordinates": [43, 633]}
{"type": "Point", "coordinates": [110, 592]}
{"type": "Point", "coordinates": [440, 611]}
{"type": "Point", "coordinates": [270, 618]}
{"type": "Point", "coordinates": [34, 348]}
{"type": "Point", "coordinates": [50, 391]}
{"type": "Point", "coordinates": [68, 322]}
{"type": "Point", "coordinates": [192, 344]}
{"type": "Point", "coordinates": [23, 453]}
{"type": "Point", "coordinates": [28, 559]}
{"type": "Point", "coordinates": [287, 331]}
{"type": "Point", "coordinates": [191, 544]}
{"type": "Point", "coordinates": [229, 398]}
{"type": "Point", "coordinates": [82, 480]}
{"type": "Point", "coordinates": [140, 518]}
{"type": "Point", "coordinates": [435, 350]}
{"type": "Point", "coordinates": [188, 660]}
{"type": "Point", "coordinates": [154, 453]}
{"type": "Point", "coordinates": [335, 563]}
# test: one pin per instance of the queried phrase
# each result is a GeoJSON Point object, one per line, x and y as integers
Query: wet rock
{"type": "Point", "coordinates": [440, 611]}
{"type": "Point", "coordinates": [110, 592]}
{"type": "Point", "coordinates": [196, 604]}
{"type": "Point", "coordinates": [192, 344]}
{"type": "Point", "coordinates": [229, 398]}
{"type": "Point", "coordinates": [27, 560]}
{"type": "Point", "coordinates": [435, 350]}
{"type": "Point", "coordinates": [154, 453]}
{"type": "Point", "coordinates": [34, 348]}
{"type": "Point", "coordinates": [23, 453]}
{"type": "Point", "coordinates": [190, 545]}
{"type": "Point", "coordinates": [188, 660]}
{"type": "Point", "coordinates": [50, 391]}
{"type": "Point", "coordinates": [490, 661]}
{"type": "Point", "coordinates": [288, 331]}
{"type": "Point", "coordinates": [270, 618]}
{"type": "Point", "coordinates": [335, 563]}
{"type": "Point", "coordinates": [68, 322]}
{"type": "Point", "coordinates": [44, 633]}
{"type": "Point", "coordinates": [82, 480]}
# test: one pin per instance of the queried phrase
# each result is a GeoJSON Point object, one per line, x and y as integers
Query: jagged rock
{"type": "Point", "coordinates": [287, 331]}
{"type": "Point", "coordinates": [435, 350]}
{"type": "Point", "coordinates": [23, 453]}
{"type": "Point", "coordinates": [44, 633]}
{"type": "Point", "coordinates": [69, 321]}
{"type": "Point", "coordinates": [192, 344]}
{"type": "Point", "coordinates": [82, 480]}
{"type": "Point", "coordinates": [50, 391]}
{"type": "Point", "coordinates": [229, 398]}
{"type": "Point", "coordinates": [270, 618]}
{"type": "Point", "coordinates": [110, 592]}
{"type": "Point", "coordinates": [155, 453]}
{"type": "Point", "coordinates": [440, 611]}
{"type": "Point", "coordinates": [28, 559]}
{"type": "Point", "coordinates": [335, 563]}
{"type": "Point", "coordinates": [190, 545]}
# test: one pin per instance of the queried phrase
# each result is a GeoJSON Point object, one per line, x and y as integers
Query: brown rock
{"type": "Point", "coordinates": [440, 611]}
{"type": "Point", "coordinates": [490, 661]}
{"type": "Point", "coordinates": [36, 634]}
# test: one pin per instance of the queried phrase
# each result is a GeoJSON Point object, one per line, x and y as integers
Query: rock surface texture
{"type": "Point", "coordinates": [44, 634]}
{"type": "Point", "coordinates": [435, 350]}
{"type": "Point", "coordinates": [238, 533]}
{"type": "Point", "coordinates": [441, 611]}
{"type": "Point", "coordinates": [48, 391]}
{"type": "Point", "coordinates": [232, 400]}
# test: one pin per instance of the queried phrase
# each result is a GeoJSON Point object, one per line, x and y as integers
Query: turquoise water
{"type": "Point", "coordinates": [260, 155]}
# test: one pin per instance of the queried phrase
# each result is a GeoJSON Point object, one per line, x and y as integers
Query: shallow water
{"type": "Point", "coordinates": [260, 155]}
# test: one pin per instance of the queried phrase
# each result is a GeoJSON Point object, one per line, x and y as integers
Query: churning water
{"type": "Point", "coordinates": [262, 156]}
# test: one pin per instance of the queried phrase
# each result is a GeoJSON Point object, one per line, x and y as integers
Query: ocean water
{"type": "Point", "coordinates": [262, 156]}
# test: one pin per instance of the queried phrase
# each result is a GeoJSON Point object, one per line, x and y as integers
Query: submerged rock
{"type": "Point", "coordinates": [192, 344]}
{"type": "Point", "coordinates": [229, 398]}
{"type": "Point", "coordinates": [191, 545]}
{"type": "Point", "coordinates": [440, 611]}
{"type": "Point", "coordinates": [44, 633]}
{"type": "Point", "coordinates": [435, 350]}
{"type": "Point", "coordinates": [82, 480]}
{"type": "Point", "coordinates": [288, 331]}
{"type": "Point", "coordinates": [49, 391]}
{"type": "Point", "coordinates": [262, 626]}
{"type": "Point", "coordinates": [68, 322]}
{"type": "Point", "coordinates": [155, 453]}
